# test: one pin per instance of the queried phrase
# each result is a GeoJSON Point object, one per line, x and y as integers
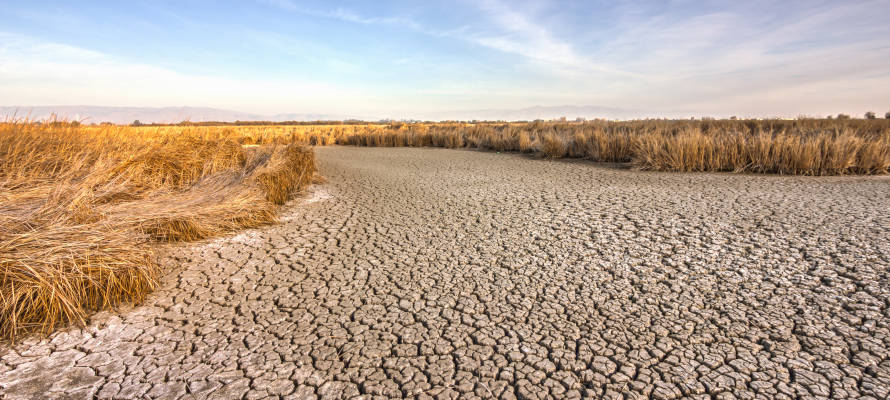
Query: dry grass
{"type": "Point", "coordinates": [801, 147]}
{"type": "Point", "coordinates": [81, 206]}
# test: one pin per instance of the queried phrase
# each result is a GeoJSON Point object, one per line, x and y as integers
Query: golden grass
{"type": "Point", "coordinates": [801, 147]}
{"type": "Point", "coordinates": [81, 206]}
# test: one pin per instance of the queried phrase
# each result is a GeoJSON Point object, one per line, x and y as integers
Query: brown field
{"type": "Point", "coordinates": [80, 208]}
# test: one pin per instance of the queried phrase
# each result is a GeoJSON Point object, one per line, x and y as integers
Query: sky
{"type": "Point", "coordinates": [418, 58]}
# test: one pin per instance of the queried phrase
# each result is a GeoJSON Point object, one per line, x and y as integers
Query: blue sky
{"type": "Point", "coordinates": [413, 59]}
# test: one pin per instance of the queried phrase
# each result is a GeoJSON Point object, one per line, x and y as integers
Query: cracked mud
{"type": "Point", "coordinates": [456, 274]}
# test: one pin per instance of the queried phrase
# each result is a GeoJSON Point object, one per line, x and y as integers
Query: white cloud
{"type": "Point", "coordinates": [34, 72]}
{"type": "Point", "coordinates": [515, 34]}
{"type": "Point", "coordinates": [519, 35]}
{"type": "Point", "coordinates": [345, 15]}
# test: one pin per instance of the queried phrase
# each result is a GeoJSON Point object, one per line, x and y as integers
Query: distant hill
{"type": "Point", "coordinates": [126, 115]}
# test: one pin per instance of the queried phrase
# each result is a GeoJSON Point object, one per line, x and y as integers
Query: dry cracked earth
{"type": "Point", "coordinates": [434, 273]}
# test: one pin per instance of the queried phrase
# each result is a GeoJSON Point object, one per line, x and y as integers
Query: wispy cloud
{"type": "Point", "coordinates": [739, 53]}
{"type": "Point", "coordinates": [672, 44]}
{"type": "Point", "coordinates": [36, 72]}
{"type": "Point", "coordinates": [345, 15]}
{"type": "Point", "coordinates": [513, 33]}
{"type": "Point", "coordinates": [519, 35]}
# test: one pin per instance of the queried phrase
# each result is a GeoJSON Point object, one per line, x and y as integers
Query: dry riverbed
{"type": "Point", "coordinates": [444, 273]}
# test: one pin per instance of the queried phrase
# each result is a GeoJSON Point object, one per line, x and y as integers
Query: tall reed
{"type": "Point", "coordinates": [802, 147]}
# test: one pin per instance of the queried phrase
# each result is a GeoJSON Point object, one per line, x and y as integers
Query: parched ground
{"type": "Point", "coordinates": [430, 272]}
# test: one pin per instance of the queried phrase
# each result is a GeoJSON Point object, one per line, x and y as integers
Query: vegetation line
{"type": "Point", "coordinates": [800, 147]}
{"type": "Point", "coordinates": [806, 146]}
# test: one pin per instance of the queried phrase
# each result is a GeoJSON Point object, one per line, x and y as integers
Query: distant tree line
{"type": "Point", "coordinates": [867, 115]}
{"type": "Point", "coordinates": [257, 123]}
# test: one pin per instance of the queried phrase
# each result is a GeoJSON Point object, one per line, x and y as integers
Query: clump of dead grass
{"type": "Point", "coordinates": [283, 175]}
{"type": "Point", "coordinates": [80, 208]}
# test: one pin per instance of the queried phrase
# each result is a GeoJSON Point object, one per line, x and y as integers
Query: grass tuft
{"type": "Point", "coordinates": [80, 208]}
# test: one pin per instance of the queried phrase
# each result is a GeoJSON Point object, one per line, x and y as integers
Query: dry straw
{"type": "Point", "coordinates": [81, 206]}
{"type": "Point", "coordinates": [800, 147]}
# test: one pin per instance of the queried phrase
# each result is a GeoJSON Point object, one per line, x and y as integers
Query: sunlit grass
{"type": "Point", "coordinates": [81, 206]}
{"type": "Point", "coordinates": [801, 147]}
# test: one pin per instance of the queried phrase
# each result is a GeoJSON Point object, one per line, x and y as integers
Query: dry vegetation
{"type": "Point", "coordinates": [804, 147]}
{"type": "Point", "coordinates": [799, 147]}
{"type": "Point", "coordinates": [81, 206]}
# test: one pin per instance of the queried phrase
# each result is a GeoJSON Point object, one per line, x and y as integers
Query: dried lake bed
{"type": "Point", "coordinates": [462, 274]}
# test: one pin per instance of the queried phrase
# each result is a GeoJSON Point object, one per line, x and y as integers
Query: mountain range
{"type": "Point", "coordinates": [126, 115]}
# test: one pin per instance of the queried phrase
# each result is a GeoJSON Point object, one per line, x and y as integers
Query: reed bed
{"type": "Point", "coordinates": [799, 147]}
{"type": "Point", "coordinates": [81, 208]}
{"type": "Point", "coordinates": [796, 147]}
